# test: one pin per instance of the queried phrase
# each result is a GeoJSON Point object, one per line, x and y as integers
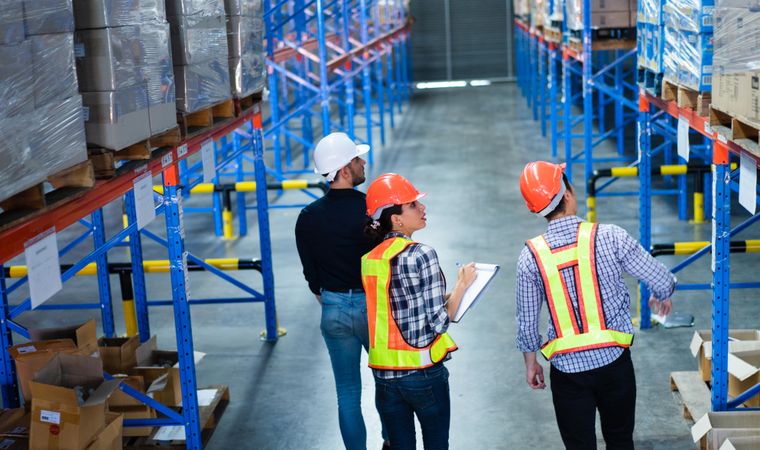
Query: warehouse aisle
{"type": "Point", "coordinates": [466, 148]}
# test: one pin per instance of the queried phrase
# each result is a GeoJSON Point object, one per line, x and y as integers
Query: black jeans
{"type": "Point", "coordinates": [610, 389]}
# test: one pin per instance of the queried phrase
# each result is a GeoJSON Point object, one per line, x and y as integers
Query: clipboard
{"type": "Point", "coordinates": [484, 275]}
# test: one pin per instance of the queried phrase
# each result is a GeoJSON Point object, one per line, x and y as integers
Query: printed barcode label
{"type": "Point", "coordinates": [166, 159]}
{"type": "Point", "coordinates": [50, 417]}
{"type": "Point", "coordinates": [86, 113]}
{"type": "Point", "coordinates": [708, 128]}
{"type": "Point", "coordinates": [79, 50]}
{"type": "Point", "coordinates": [707, 80]}
{"type": "Point", "coordinates": [27, 349]}
{"type": "Point", "coordinates": [181, 150]}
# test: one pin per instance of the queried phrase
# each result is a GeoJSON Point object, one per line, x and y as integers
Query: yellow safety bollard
{"type": "Point", "coordinates": [591, 209]}
{"type": "Point", "coordinates": [699, 207]}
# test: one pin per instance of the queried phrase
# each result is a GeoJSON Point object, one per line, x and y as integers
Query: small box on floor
{"type": "Point", "coordinates": [712, 429]}
{"type": "Point", "coordinates": [83, 335]}
{"type": "Point", "coordinates": [33, 356]}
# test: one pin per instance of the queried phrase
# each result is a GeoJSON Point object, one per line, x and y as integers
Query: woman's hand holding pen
{"type": "Point", "coordinates": [466, 275]}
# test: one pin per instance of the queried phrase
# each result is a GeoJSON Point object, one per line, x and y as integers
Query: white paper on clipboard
{"type": "Point", "coordinates": [485, 273]}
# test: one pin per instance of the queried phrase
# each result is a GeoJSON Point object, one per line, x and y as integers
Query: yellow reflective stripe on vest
{"type": "Point", "coordinates": [555, 286]}
{"type": "Point", "coordinates": [587, 275]}
{"type": "Point", "coordinates": [587, 341]}
{"type": "Point", "coordinates": [380, 355]}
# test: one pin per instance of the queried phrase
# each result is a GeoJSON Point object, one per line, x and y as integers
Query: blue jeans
{"type": "Point", "coordinates": [344, 328]}
{"type": "Point", "coordinates": [424, 394]}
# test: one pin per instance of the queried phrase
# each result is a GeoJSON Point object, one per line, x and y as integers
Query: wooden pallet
{"type": "Point", "coordinates": [553, 35]}
{"type": "Point", "coordinates": [692, 393]}
{"type": "Point", "coordinates": [209, 417]}
{"type": "Point", "coordinates": [603, 44]}
{"type": "Point", "coordinates": [104, 160]}
{"type": "Point", "coordinates": [203, 119]}
{"type": "Point", "coordinates": [244, 104]}
{"type": "Point", "coordinates": [686, 97]}
{"type": "Point", "coordinates": [67, 184]}
{"type": "Point", "coordinates": [744, 132]}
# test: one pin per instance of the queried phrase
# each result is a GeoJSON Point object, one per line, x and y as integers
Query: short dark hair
{"type": "Point", "coordinates": [560, 209]}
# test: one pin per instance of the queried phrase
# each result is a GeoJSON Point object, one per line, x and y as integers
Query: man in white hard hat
{"type": "Point", "coordinates": [331, 241]}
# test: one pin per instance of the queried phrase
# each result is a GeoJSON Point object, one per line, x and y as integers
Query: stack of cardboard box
{"type": "Point", "coordinates": [125, 70]}
{"type": "Point", "coordinates": [199, 49]}
{"type": "Point", "coordinates": [688, 51]}
{"type": "Point", "coordinates": [736, 80]}
{"type": "Point", "coordinates": [650, 31]}
{"type": "Point", "coordinates": [245, 41]}
{"type": "Point", "coordinates": [40, 107]}
{"type": "Point", "coordinates": [604, 14]}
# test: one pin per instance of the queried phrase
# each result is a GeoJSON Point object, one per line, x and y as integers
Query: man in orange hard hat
{"type": "Point", "coordinates": [577, 267]}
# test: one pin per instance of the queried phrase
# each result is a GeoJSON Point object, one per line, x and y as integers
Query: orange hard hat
{"type": "Point", "coordinates": [542, 187]}
{"type": "Point", "coordinates": [387, 190]}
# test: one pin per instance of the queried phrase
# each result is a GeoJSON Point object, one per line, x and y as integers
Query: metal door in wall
{"type": "Point", "coordinates": [462, 39]}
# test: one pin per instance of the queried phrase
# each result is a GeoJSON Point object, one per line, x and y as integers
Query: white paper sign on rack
{"type": "Point", "coordinates": [748, 183]}
{"type": "Point", "coordinates": [209, 163]}
{"type": "Point", "coordinates": [41, 254]}
{"type": "Point", "coordinates": [144, 207]}
{"type": "Point", "coordinates": [683, 138]}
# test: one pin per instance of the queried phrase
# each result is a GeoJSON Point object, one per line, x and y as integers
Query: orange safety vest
{"type": "Point", "coordinates": [388, 349]}
{"type": "Point", "coordinates": [581, 256]}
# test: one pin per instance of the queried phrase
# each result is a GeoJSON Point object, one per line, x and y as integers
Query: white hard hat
{"type": "Point", "coordinates": [334, 152]}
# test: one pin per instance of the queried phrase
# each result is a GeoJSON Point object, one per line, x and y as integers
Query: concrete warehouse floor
{"type": "Point", "coordinates": [466, 148]}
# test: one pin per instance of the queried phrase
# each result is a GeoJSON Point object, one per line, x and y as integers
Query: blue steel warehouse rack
{"type": "Point", "coordinates": [319, 52]}
{"type": "Point", "coordinates": [60, 216]}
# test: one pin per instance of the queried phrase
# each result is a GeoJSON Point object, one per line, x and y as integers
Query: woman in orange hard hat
{"type": "Point", "coordinates": [576, 268]}
{"type": "Point", "coordinates": [408, 315]}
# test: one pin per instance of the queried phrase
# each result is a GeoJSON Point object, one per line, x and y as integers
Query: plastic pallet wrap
{"type": "Point", "coordinates": [198, 8]}
{"type": "Point", "coordinates": [537, 8]}
{"type": "Point", "coordinates": [91, 14]}
{"type": "Point", "coordinates": [198, 39]}
{"type": "Point", "coordinates": [117, 119]}
{"type": "Point", "coordinates": [202, 85]}
{"type": "Point", "coordinates": [604, 14]}
{"type": "Point", "coordinates": [552, 12]}
{"type": "Point", "coordinates": [159, 75]}
{"type": "Point", "coordinates": [253, 8]}
{"type": "Point", "coordinates": [11, 21]}
{"type": "Point", "coordinates": [16, 86]}
{"type": "Point", "coordinates": [688, 58]}
{"type": "Point", "coordinates": [736, 89]}
{"type": "Point", "coordinates": [48, 17]}
{"type": "Point", "coordinates": [39, 144]}
{"type": "Point", "coordinates": [245, 39]}
{"type": "Point", "coordinates": [521, 8]}
{"type": "Point", "coordinates": [247, 74]}
{"type": "Point", "coordinates": [650, 11]}
{"type": "Point", "coordinates": [650, 41]}
{"type": "Point", "coordinates": [110, 58]}
{"type": "Point", "coordinates": [689, 15]}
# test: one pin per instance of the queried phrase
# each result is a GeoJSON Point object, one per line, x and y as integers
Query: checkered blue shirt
{"type": "Point", "coordinates": [616, 252]}
{"type": "Point", "coordinates": [416, 294]}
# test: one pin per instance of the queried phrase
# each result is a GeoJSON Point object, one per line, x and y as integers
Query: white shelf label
{"type": "Point", "coordinates": [748, 183]}
{"type": "Point", "coordinates": [683, 138]}
{"type": "Point", "coordinates": [44, 270]}
{"type": "Point", "coordinates": [181, 151]}
{"type": "Point", "coordinates": [209, 163]}
{"type": "Point", "coordinates": [50, 417]}
{"type": "Point", "coordinates": [27, 349]}
{"type": "Point", "coordinates": [187, 279]}
{"type": "Point", "coordinates": [144, 207]}
{"type": "Point", "coordinates": [166, 160]}
{"type": "Point", "coordinates": [708, 129]}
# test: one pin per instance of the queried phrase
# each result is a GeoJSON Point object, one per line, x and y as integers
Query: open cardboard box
{"type": "Point", "coordinates": [741, 443]}
{"type": "Point", "coordinates": [715, 427]}
{"type": "Point", "coordinates": [118, 354]}
{"type": "Point", "coordinates": [701, 347]}
{"type": "Point", "coordinates": [14, 423]}
{"type": "Point", "coordinates": [111, 436]}
{"type": "Point", "coordinates": [743, 373]}
{"type": "Point", "coordinates": [33, 356]}
{"type": "Point", "coordinates": [164, 382]}
{"type": "Point", "coordinates": [135, 412]}
{"type": "Point", "coordinates": [59, 420]}
{"type": "Point", "coordinates": [85, 336]}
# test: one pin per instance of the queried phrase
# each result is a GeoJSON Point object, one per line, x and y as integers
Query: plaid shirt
{"type": "Point", "coordinates": [616, 252]}
{"type": "Point", "coordinates": [416, 294]}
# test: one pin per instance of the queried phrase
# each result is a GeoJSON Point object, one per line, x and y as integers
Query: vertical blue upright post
{"type": "Point", "coordinates": [104, 282]}
{"type": "Point", "coordinates": [645, 198]}
{"type": "Point", "coordinates": [588, 94]}
{"type": "Point", "coordinates": [237, 148]}
{"type": "Point", "coordinates": [567, 116]}
{"type": "Point", "coordinates": [553, 80]}
{"type": "Point", "coordinates": [619, 112]}
{"type": "Point", "coordinates": [380, 97]}
{"type": "Point", "coordinates": [262, 207]}
{"type": "Point", "coordinates": [542, 84]}
{"type": "Point", "coordinates": [175, 237]}
{"type": "Point", "coordinates": [324, 88]}
{"type": "Point", "coordinates": [138, 272]}
{"type": "Point", "coordinates": [366, 78]}
{"type": "Point", "coordinates": [273, 79]}
{"type": "Point", "coordinates": [349, 83]}
{"type": "Point", "coordinates": [9, 386]}
{"type": "Point", "coordinates": [721, 235]}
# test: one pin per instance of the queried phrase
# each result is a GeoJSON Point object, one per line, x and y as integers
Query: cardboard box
{"type": "Point", "coordinates": [117, 13]}
{"type": "Point", "coordinates": [252, 8]}
{"type": "Point", "coordinates": [117, 119]}
{"type": "Point", "coordinates": [715, 427]}
{"type": "Point", "coordinates": [162, 117]}
{"type": "Point", "coordinates": [55, 76]}
{"type": "Point", "coordinates": [120, 399]}
{"type": "Point", "coordinates": [11, 22]}
{"type": "Point", "coordinates": [701, 347]}
{"type": "Point", "coordinates": [197, 40]}
{"type": "Point", "coordinates": [198, 8]}
{"type": "Point", "coordinates": [84, 336]}
{"type": "Point", "coordinates": [33, 356]}
{"type": "Point", "coordinates": [118, 354]}
{"type": "Point", "coordinates": [48, 16]}
{"type": "Point", "coordinates": [109, 59]}
{"type": "Point", "coordinates": [151, 365]}
{"type": "Point", "coordinates": [135, 412]}
{"type": "Point", "coordinates": [199, 86]}
{"type": "Point", "coordinates": [14, 423]}
{"type": "Point", "coordinates": [743, 373]}
{"type": "Point", "coordinates": [741, 443]}
{"type": "Point", "coordinates": [59, 420]}
{"type": "Point", "coordinates": [17, 92]}
{"type": "Point", "coordinates": [111, 436]}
